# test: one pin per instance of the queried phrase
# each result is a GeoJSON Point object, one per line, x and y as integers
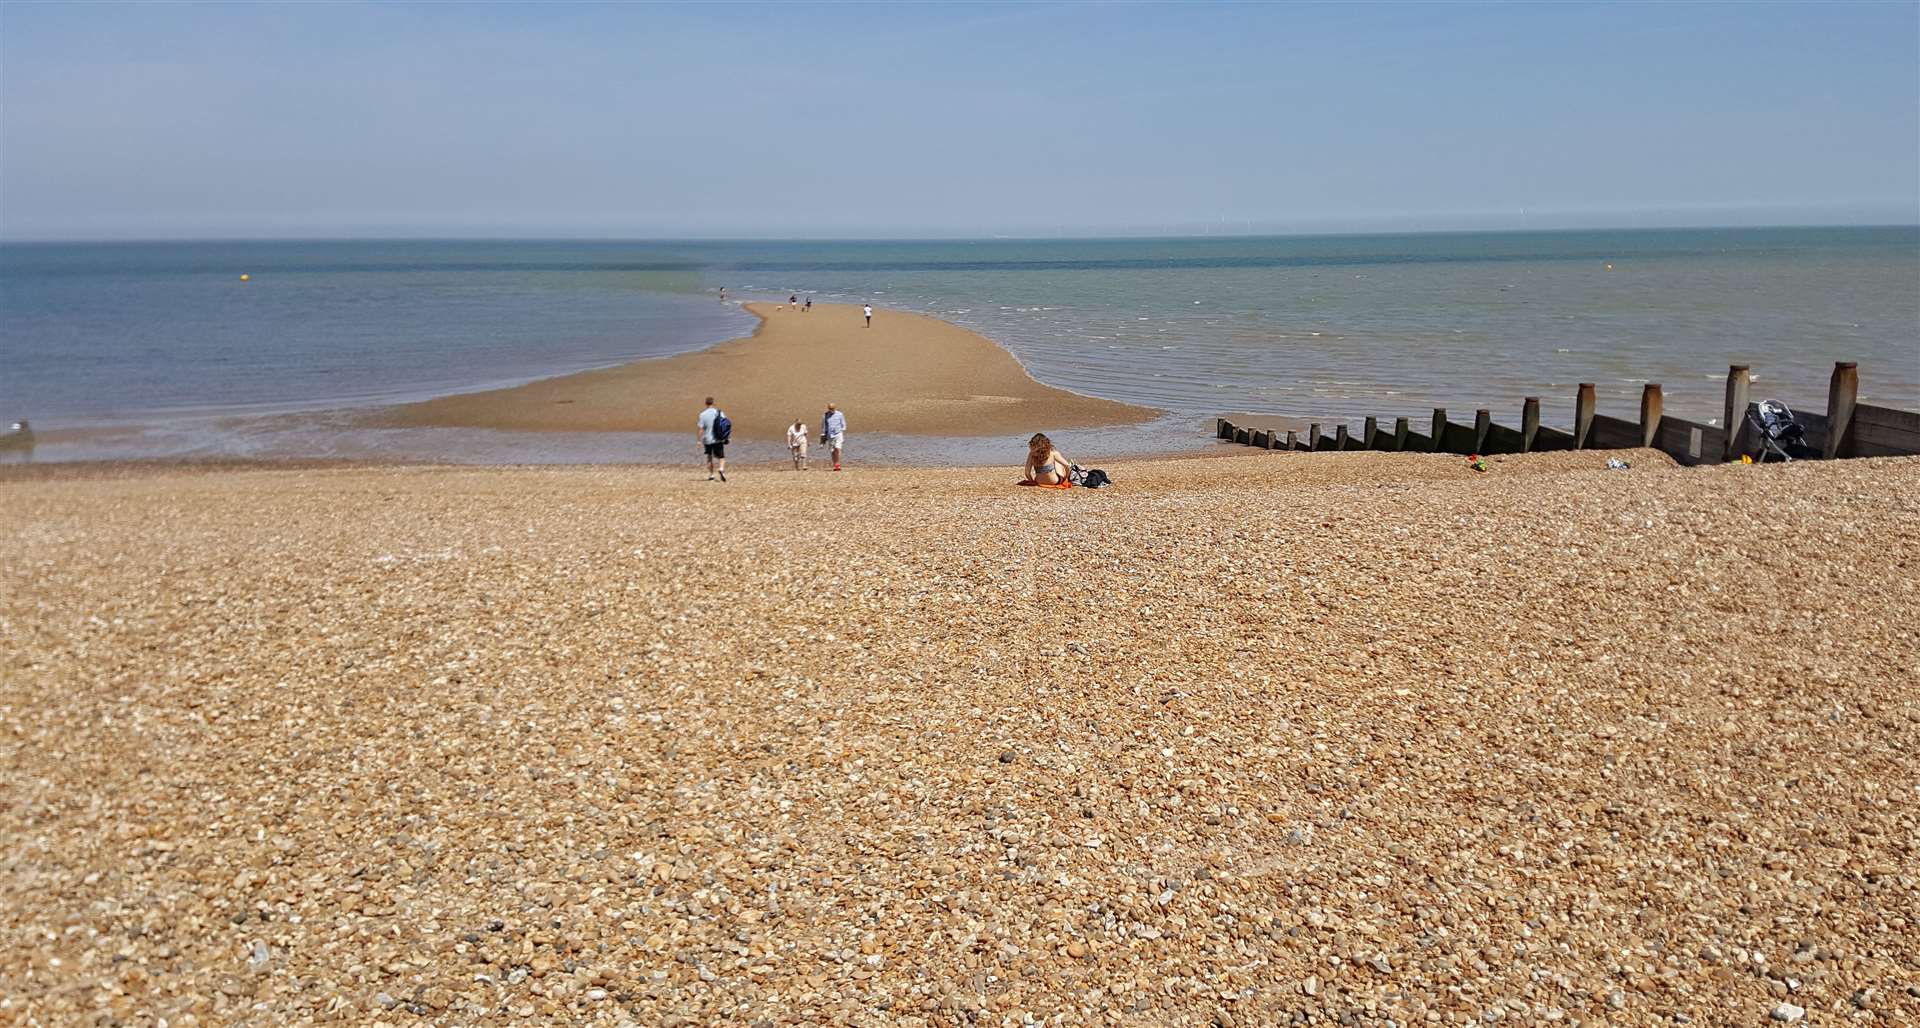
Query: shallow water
{"type": "Point", "coordinates": [165, 338]}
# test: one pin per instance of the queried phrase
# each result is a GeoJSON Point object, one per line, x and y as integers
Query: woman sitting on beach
{"type": "Point", "coordinates": [1045, 465]}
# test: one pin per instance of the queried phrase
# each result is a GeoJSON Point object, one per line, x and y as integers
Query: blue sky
{"type": "Point", "coordinates": [180, 120]}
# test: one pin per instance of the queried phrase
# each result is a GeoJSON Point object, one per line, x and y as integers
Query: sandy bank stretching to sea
{"type": "Point", "coordinates": [1252, 741]}
{"type": "Point", "coordinates": [908, 374]}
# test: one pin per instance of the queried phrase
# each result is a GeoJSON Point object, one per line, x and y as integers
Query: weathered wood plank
{"type": "Point", "coordinates": [1689, 442]}
{"type": "Point", "coordinates": [1402, 434]}
{"type": "Point", "coordinates": [1583, 413]}
{"type": "Point", "coordinates": [1653, 406]}
{"type": "Point", "coordinates": [1242, 436]}
{"type": "Point", "coordinates": [1529, 423]}
{"type": "Point", "coordinates": [1883, 432]}
{"type": "Point", "coordinates": [1816, 426]}
{"type": "Point", "coordinates": [1547, 439]}
{"type": "Point", "coordinates": [1501, 439]}
{"type": "Point", "coordinates": [1417, 443]}
{"type": "Point", "coordinates": [1737, 381]}
{"type": "Point", "coordinates": [1843, 394]}
{"type": "Point", "coordinates": [1610, 433]}
{"type": "Point", "coordinates": [1458, 439]}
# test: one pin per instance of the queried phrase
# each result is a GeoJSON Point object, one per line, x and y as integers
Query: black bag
{"type": "Point", "coordinates": [1088, 478]}
{"type": "Point", "coordinates": [722, 429]}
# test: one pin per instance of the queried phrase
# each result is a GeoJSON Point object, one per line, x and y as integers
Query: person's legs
{"type": "Point", "coordinates": [709, 449]}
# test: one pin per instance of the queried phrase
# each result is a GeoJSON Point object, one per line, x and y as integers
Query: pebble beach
{"type": "Point", "coordinates": [1261, 739]}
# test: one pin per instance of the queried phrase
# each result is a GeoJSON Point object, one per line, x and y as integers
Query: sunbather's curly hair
{"type": "Point", "coordinates": [1038, 447]}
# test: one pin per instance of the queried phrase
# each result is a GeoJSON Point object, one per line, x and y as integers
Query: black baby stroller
{"type": "Point", "coordinates": [1781, 437]}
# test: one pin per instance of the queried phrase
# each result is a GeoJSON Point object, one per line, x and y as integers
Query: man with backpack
{"type": "Point", "coordinates": [715, 429]}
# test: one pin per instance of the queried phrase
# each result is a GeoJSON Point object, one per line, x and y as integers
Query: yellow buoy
{"type": "Point", "coordinates": [1609, 268]}
{"type": "Point", "coordinates": [246, 278]}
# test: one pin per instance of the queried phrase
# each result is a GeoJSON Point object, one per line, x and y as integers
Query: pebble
{"type": "Point", "coordinates": [528, 777]}
{"type": "Point", "coordinates": [1787, 1012]}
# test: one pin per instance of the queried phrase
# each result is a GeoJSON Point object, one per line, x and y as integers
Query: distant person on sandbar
{"type": "Point", "coordinates": [714, 429]}
{"type": "Point", "coordinates": [797, 445]}
{"type": "Point", "coordinates": [1045, 464]}
{"type": "Point", "coordinates": [723, 294]}
{"type": "Point", "coordinates": [793, 300]}
{"type": "Point", "coordinates": [833, 432]}
{"type": "Point", "coordinates": [809, 307]}
{"type": "Point", "coordinates": [869, 311]}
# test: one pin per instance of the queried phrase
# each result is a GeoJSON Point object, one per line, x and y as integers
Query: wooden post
{"type": "Point", "coordinates": [1482, 420]}
{"type": "Point", "coordinates": [1583, 416]}
{"type": "Point", "coordinates": [1736, 413]}
{"type": "Point", "coordinates": [1313, 436]}
{"type": "Point", "coordinates": [1439, 429]}
{"type": "Point", "coordinates": [1340, 436]}
{"type": "Point", "coordinates": [1222, 428]}
{"type": "Point", "coordinates": [1842, 392]}
{"type": "Point", "coordinates": [1242, 436]}
{"type": "Point", "coordinates": [1293, 440]}
{"type": "Point", "coordinates": [1369, 433]}
{"type": "Point", "coordinates": [1401, 429]}
{"type": "Point", "coordinates": [1529, 423]}
{"type": "Point", "coordinates": [1652, 406]}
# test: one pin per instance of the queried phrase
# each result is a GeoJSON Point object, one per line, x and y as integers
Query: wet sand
{"type": "Point", "coordinates": [907, 374]}
{"type": "Point", "coordinates": [1267, 739]}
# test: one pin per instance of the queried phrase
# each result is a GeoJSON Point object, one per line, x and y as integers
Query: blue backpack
{"type": "Point", "coordinates": [722, 429]}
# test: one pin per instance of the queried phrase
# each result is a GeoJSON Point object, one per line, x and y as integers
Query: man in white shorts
{"type": "Point", "coordinates": [833, 430]}
{"type": "Point", "coordinates": [868, 308]}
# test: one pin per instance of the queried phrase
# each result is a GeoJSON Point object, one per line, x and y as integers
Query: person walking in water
{"type": "Point", "coordinates": [869, 312]}
{"type": "Point", "coordinates": [713, 428]}
{"type": "Point", "coordinates": [833, 432]}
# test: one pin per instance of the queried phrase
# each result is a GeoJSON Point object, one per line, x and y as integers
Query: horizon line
{"type": "Point", "coordinates": [937, 237]}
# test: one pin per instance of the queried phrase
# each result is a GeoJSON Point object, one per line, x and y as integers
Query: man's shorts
{"type": "Point", "coordinates": [717, 450]}
{"type": "Point", "coordinates": [838, 440]}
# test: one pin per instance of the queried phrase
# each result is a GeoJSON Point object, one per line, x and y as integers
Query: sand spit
{"type": "Point", "coordinates": [1340, 738]}
{"type": "Point", "coordinates": [909, 374]}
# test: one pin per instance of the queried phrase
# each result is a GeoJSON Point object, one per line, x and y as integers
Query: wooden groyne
{"type": "Point", "coordinates": [1849, 428]}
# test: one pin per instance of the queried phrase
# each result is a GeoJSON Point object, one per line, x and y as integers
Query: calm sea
{"type": "Point", "coordinates": [159, 349]}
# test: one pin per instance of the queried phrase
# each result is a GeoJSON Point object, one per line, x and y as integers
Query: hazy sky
{"type": "Point", "coordinates": [172, 120]}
